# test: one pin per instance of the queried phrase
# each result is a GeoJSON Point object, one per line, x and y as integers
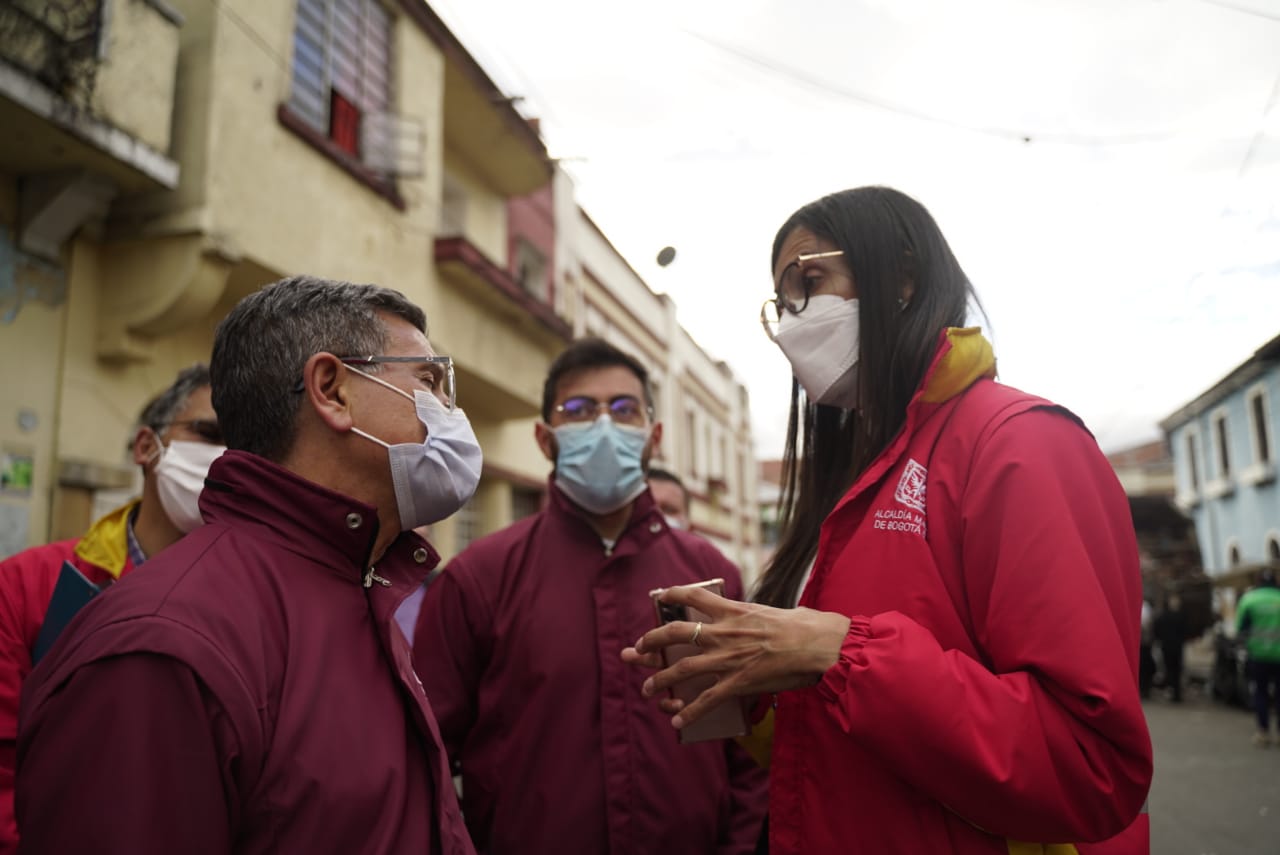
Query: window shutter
{"type": "Point", "coordinates": [345, 44]}
{"type": "Point", "coordinates": [309, 97]}
{"type": "Point", "coordinates": [376, 58]}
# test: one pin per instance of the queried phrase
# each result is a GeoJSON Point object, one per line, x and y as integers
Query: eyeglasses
{"type": "Point", "coordinates": [624, 409]}
{"type": "Point", "coordinates": [793, 290]}
{"type": "Point", "coordinates": [207, 429]}
{"type": "Point", "coordinates": [436, 373]}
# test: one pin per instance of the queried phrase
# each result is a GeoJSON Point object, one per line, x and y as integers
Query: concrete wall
{"type": "Point", "coordinates": [135, 82]}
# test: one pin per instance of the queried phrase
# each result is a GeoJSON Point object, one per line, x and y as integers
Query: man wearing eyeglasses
{"type": "Point", "coordinates": [176, 439]}
{"type": "Point", "coordinates": [250, 692]}
{"type": "Point", "coordinates": [518, 641]}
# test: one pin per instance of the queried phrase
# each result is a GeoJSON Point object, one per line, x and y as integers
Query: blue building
{"type": "Point", "coordinates": [1224, 460]}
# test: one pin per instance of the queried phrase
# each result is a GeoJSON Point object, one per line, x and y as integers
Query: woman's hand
{"type": "Point", "coordinates": [750, 648]}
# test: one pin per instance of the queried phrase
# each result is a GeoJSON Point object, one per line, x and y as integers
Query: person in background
{"type": "Point", "coordinates": [176, 438]}
{"type": "Point", "coordinates": [961, 674]}
{"type": "Point", "coordinates": [249, 693]}
{"type": "Point", "coordinates": [517, 642]}
{"type": "Point", "coordinates": [671, 497]}
{"type": "Point", "coordinates": [1258, 621]}
{"type": "Point", "coordinates": [1170, 630]}
{"type": "Point", "coordinates": [1146, 659]}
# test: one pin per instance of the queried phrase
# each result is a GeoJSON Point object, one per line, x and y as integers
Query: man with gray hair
{"type": "Point", "coordinates": [174, 442]}
{"type": "Point", "coordinates": [253, 693]}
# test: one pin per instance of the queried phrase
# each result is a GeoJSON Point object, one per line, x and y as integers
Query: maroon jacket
{"type": "Point", "coordinates": [248, 694]}
{"type": "Point", "coordinates": [518, 645]}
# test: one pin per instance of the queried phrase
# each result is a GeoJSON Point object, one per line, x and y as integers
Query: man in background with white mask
{"type": "Point", "coordinates": [259, 697]}
{"type": "Point", "coordinates": [517, 645]}
{"type": "Point", "coordinates": [176, 439]}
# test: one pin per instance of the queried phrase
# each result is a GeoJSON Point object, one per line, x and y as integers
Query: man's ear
{"type": "Point", "coordinates": [146, 446]}
{"type": "Point", "coordinates": [655, 439]}
{"type": "Point", "coordinates": [546, 439]}
{"type": "Point", "coordinates": [324, 386]}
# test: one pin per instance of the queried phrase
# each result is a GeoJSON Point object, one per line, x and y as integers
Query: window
{"type": "Point", "coordinates": [1221, 446]}
{"type": "Point", "coordinates": [341, 61]}
{"type": "Point", "coordinates": [530, 269]}
{"type": "Point", "coordinates": [525, 502]}
{"type": "Point", "coordinates": [1258, 419]}
{"type": "Point", "coordinates": [466, 524]}
{"type": "Point", "coordinates": [1193, 460]}
{"type": "Point", "coordinates": [690, 443]}
{"type": "Point", "coordinates": [1260, 426]}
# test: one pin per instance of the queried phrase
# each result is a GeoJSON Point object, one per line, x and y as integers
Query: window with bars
{"type": "Point", "coordinates": [341, 69]}
{"type": "Point", "coordinates": [525, 502]}
{"type": "Point", "coordinates": [466, 524]}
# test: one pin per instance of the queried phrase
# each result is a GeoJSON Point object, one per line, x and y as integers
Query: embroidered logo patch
{"type": "Point", "coordinates": [911, 486]}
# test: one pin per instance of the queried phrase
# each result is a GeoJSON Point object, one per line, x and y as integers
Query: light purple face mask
{"type": "Point", "coordinates": [436, 477]}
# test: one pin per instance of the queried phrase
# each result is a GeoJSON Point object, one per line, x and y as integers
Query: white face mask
{"type": "Point", "coordinates": [180, 472]}
{"type": "Point", "coordinates": [674, 522]}
{"type": "Point", "coordinates": [436, 477]}
{"type": "Point", "coordinates": [821, 343]}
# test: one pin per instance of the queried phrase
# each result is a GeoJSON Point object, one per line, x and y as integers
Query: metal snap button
{"type": "Point", "coordinates": [420, 555]}
{"type": "Point", "coordinates": [354, 520]}
{"type": "Point", "coordinates": [655, 527]}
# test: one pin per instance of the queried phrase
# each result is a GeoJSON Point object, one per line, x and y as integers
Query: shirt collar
{"type": "Point", "coordinates": [136, 554]}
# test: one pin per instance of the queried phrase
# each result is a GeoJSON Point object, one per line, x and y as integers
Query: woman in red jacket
{"type": "Point", "coordinates": [961, 672]}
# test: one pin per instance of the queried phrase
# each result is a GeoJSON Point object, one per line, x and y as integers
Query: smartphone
{"type": "Point", "coordinates": [727, 720]}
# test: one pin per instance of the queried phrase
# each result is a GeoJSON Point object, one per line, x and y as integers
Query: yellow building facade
{"type": "Point", "coordinates": [171, 156]}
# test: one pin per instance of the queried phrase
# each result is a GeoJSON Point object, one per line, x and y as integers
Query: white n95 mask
{"type": "Point", "coordinates": [821, 343]}
{"type": "Point", "coordinates": [180, 472]}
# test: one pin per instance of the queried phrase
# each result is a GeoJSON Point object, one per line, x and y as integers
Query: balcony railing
{"type": "Point", "coordinates": [59, 42]}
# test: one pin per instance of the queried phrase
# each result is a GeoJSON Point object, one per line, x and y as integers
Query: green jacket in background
{"type": "Point", "coordinates": [1258, 619]}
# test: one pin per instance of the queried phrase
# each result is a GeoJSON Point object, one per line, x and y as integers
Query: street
{"type": "Point", "coordinates": [1214, 792]}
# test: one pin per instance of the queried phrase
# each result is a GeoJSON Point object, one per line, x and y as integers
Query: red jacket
{"type": "Point", "coordinates": [26, 587]}
{"type": "Point", "coordinates": [518, 646]}
{"type": "Point", "coordinates": [987, 692]}
{"type": "Point", "coordinates": [246, 694]}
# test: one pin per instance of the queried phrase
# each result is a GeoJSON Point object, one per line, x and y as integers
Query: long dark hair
{"type": "Point", "coordinates": [890, 242]}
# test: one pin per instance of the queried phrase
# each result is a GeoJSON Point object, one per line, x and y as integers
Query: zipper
{"type": "Point", "coordinates": [371, 576]}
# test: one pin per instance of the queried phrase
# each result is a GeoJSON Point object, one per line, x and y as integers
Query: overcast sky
{"type": "Point", "coordinates": [1107, 171]}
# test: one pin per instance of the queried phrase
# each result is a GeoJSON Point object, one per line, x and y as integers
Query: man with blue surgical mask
{"type": "Point", "coordinates": [517, 645]}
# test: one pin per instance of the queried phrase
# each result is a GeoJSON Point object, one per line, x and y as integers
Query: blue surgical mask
{"type": "Point", "coordinates": [600, 464]}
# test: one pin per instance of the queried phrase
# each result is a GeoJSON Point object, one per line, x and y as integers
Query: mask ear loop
{"type": "Point", "coordinates": [158, 454]}
{"type": "Point", "coordinates": [380, 382]}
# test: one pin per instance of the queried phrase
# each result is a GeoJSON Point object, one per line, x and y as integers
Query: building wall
{"type": "Point", "coordinates": [702, 407]}
{"type": "Point", "coordinates": [1241, 507]}
{"type": "Point", "coordinates": [256, 198]}
{"type": "Point", "coordinates": [64, 419]}
{"type": "Point", "coordinates": [135, 82]}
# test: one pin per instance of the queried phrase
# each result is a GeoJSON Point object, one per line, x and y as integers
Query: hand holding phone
{"type": "Point", "coordinates": [726, 720]}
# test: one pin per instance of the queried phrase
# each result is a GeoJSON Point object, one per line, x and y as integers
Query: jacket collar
{"type": "Point", "coordinates": [106, 544]}
{"type": "Point", "coordinates": [644, 512]}
{"type": "Point", "coordinates": [963, 357]}
{"type": "Point", "coordinates": [323, 525]}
